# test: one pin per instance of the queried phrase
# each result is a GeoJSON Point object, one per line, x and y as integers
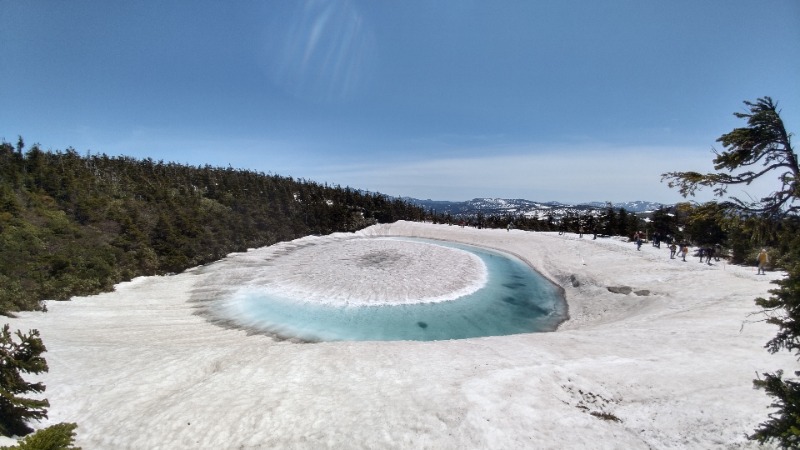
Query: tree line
{"type": "Point", "coordinates": [73, 224]}
{"type": "Point", "coordinates": [738, 236]}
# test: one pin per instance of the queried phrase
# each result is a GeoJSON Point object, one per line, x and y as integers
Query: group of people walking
{"type": "Point", "coordinates": [640, 236]}
{"type": "Point", "coordinates": [673, 250]}
{"type": "Point", "coordinates": [682, 250]}
{"type": "Point", "coordinates": [705, 253]}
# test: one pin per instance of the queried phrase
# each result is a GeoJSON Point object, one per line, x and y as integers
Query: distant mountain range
{"type": "Point", "coordinates": [501, 206]}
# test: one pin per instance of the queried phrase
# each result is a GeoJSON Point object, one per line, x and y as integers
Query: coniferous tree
{"type": "Point", "coordinates": [705, 224]}
{"type": "Point", "coordinates": [56, 437]}
{"type": "Point", "coordinates": [18, 357]}
{"type": "Point", "coordinates": [664, 222]}
{"type": "Point", "coordinates": [764, 142]}
{"type": "Point", "coordinates": [610, 221]}
{"type": "Point", "coordinates": [624, 224]}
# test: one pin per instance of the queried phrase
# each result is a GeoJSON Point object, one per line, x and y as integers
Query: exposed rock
{"type": "Point", "coordinates": [625, 290]}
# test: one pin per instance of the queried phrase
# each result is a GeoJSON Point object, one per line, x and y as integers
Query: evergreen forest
{"type": "Point", "coordinates": [73, 224]}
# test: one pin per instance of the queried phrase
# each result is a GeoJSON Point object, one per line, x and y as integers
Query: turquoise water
{"type": "Point", "coordinates": [516, 299]}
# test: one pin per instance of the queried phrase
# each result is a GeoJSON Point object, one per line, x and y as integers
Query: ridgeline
{"type": "Point", "coordinates": [77, 225]}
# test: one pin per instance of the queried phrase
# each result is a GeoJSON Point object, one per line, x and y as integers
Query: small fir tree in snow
{"type": "Point", "coordinates": [22, 355]}
{"type": "Point", "coordinates": [783, 307]}
{"type": "Point", "coordinates": [57, 437]}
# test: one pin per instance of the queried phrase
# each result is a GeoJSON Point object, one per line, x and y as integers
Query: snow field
{"type": "Point", "coordinates": [670, 367]}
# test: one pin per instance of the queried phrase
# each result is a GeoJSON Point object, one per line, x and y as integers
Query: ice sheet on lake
{"type": "Point", "coordinates": [356, 271]}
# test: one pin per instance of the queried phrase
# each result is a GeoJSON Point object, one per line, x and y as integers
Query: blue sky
{"type": "Point", "coordinates": [448, 100]}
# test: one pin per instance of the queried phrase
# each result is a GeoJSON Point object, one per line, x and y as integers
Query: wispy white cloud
{"type": "Point", "coordinates": [577, 173]}
{"type": "Point", "coordinates": [562, 172]}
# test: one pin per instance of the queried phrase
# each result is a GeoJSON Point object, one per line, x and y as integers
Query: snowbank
{"type": "Point", "coordinates": [668, 365]}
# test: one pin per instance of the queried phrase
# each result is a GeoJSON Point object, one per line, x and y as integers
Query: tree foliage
{"type": "Point", "coordinates": [762, 147]}
{"type": "Point", "coordinates": [75, 224]}
{"type": "Point", "coordinates": [19, 356]}
{"type": "Point", "coordinates": [783, 425]}
{"type": "Point", "coordinates": [56, 437]}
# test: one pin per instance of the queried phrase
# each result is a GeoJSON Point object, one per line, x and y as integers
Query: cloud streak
{"type": "Point", "coordinates": [574, 173]}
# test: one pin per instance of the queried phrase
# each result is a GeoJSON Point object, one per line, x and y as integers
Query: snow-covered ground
{"type": "Point", "coordinates": [668, 365]}
{"type": "Point", "coordinates": [343, 269]}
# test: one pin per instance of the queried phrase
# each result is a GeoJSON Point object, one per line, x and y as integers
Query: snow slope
{"type": "Point", "coordinates": [669, 367]}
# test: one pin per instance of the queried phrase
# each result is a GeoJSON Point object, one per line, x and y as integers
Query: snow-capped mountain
{"type": "Point", "coordinates": [638, 206]}
{"type": "Point", "coordinates": [501, 206]}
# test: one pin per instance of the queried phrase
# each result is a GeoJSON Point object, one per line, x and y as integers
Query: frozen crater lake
{"type": "Point", "coordinates": [360, 288]}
